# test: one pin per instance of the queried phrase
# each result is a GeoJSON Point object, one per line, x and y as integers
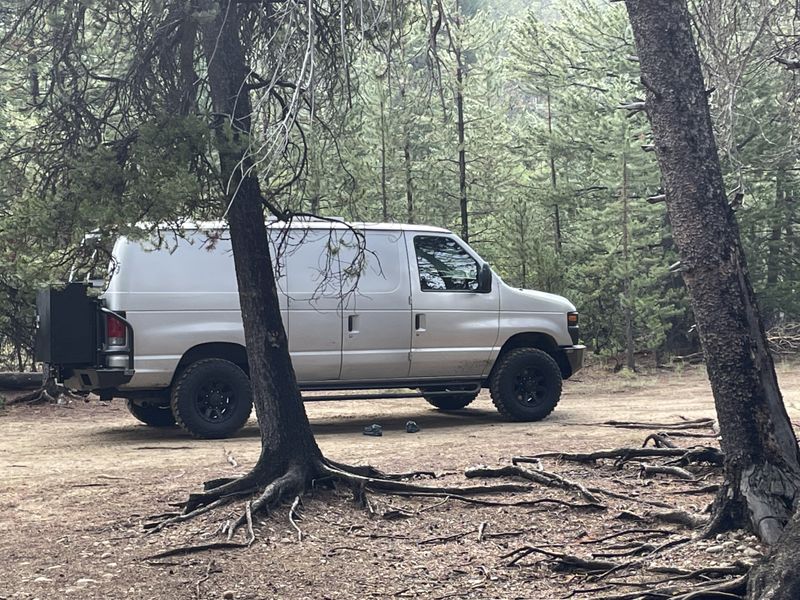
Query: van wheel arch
{"type": "Point", "coordinates": [235, 353]}
{"type": "Point", "coordinates": [539, 341]}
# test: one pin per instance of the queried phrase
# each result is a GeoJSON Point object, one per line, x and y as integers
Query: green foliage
{"type": "Point", "coordinates": [557, 183]}
{"type": "Point", "coordinates": [544, 136]}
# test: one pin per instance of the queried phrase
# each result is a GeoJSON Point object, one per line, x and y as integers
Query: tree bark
{"type": "Point", "coordinates": [286, 437]}
{"type": "Point", "coordinates": [762, 463]}
{"type": "Point", "coordinates": [777, 576]}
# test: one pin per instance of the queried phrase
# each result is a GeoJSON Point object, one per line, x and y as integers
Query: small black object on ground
{"type": "Point", "coordinates": [374, 430]}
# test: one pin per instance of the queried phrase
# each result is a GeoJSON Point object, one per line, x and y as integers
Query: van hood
{"type": "Point", "coordinates": [533, 301]}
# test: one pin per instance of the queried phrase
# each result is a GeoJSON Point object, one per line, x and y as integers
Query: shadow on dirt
{"type": "Point", "coordinates": [329, 425]}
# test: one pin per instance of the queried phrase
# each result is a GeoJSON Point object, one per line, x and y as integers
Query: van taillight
{"type": "Point", "coordinates": [115, 331]}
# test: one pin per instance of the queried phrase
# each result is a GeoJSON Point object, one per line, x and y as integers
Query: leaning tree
{"type": "Point", "coordinates": [762, 461]}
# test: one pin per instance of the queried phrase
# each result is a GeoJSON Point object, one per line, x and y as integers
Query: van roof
{"type": "Point", "coordinates": [308, 223]}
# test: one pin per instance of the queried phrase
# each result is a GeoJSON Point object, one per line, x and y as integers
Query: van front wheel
{"type": "Point", "coordinates": [526, 385]}
{"type": "Point", "coordinates": [211, 398]}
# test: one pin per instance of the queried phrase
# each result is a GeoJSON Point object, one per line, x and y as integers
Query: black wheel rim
{"type": "Point", "coordinates": [215, 401]}
{"type": "Point", "coordinates": [530, 386]}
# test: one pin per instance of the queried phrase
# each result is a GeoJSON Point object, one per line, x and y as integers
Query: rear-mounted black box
{"type": "Point", "coordinates": [66, 331]}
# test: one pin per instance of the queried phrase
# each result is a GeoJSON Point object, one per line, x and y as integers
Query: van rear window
{"type": "Point", "coordinates": [444, 265]}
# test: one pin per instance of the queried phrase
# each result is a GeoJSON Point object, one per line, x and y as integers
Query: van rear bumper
{"type": "Point", "coordinates": [95, 380]}
{"type": "Point", "coordinates": [574, 355]}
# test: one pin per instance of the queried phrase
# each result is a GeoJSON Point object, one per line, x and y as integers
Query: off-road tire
{"type": "Point", "coordinates": [455, 401]}
{"type": "Point", "coordinates": [152, 414]}
{"type": "Point", "coordinates": [209, 387]}
{"type": "Point", "coordinates": [526, 384]}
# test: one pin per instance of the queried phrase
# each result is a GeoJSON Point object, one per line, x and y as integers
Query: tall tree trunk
{"type": "Point", "coordinates": [290, 462]}
{"type": "Point", "coordinates": [462, 151]}
{"type": "Point", "coordinates": [460, 124]}
{"type": "Point", "coordinates": [286, 437]}
{"type": "Point", "coordinates": [774, 243]}
{"type": "Point", "coordinates": [762, 462]}
{"type": "Point", "coordinates": [384, 196]}
{"type": "Point", "coordinates": [409, 180]}
{"type": "Point", "coordinates": [778, 216]}
{"type": "Point", "coordinates": [553, 180]}
{"type": "Point", "coordinates": [314, 154]}
{"type": "Point", "coordinates": [627, 294]}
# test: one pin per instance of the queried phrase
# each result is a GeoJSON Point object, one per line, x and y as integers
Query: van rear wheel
{"type": "Point", "coordinates": [526, 385]}
{"type": "Point", "coordinates": [454, 401]}
{"type": "Point", "coordinates": [152, 414]}
{"type": "Point", "coordinates": [211, 398]}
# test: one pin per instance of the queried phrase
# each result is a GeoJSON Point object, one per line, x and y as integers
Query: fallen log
{"type": "Point", "coordinates": [10, 381]}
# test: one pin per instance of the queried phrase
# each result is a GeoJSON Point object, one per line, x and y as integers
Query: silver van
{"type": "Point", "coordinates": [365, 306]}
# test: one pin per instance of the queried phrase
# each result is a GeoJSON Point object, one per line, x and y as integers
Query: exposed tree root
{"type": "Point", "coordinates": [370, 471]}
{"type": "Point", "coordinates": [730, 589]}
{"type": "Point", "coordinates": [674, 517]}
{"type": "Point", "coordinates": [676, 574]}
{"type": "Point", "coordinates": [691, 434]}
{"type": "Point", "coordinates": [598, 568]}
{"type": "Point", "coordinates": [51, 392]}
{"type": "Point", "coordinates": [562, 561]}
{"type": "Point", "coordinates": [665, 470]}
{"type": "Point", "coordinates": [682, 456]}
{"type": "Point", "coordinates": [268, 486]}
{"type": "Point", "coordinates": [184, 550]}
{"type": "Point", "coordinates": [628, 532]}
{"type": "Point", "coordinates": [707, 489]}
{"type": "Point", "coordinates": [292, 515]}
{"type": "Point", "coordinates": [539, 476]}
{"type": "Point", "coordinates": [660, 440]}
{"type": "Point", "coordinates": [297, 479]}
{"type": "Point", "coordinates": [482, 502]}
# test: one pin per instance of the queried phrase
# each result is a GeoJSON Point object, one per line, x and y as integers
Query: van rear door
{"type": "Point", "coordinates": [454, 324]}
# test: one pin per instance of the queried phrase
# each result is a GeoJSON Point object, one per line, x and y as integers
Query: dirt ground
{"type": "Point", "coordinates": [78, 482]}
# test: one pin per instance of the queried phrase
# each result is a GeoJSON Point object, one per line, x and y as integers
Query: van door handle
{"type": "Point", "coordinates": [419, 322]}
{"type": "Point", "coordinates": [352, 324]}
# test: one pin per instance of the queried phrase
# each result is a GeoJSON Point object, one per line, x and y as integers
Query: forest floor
{"type": "Point", "coordinates": [78, 481]}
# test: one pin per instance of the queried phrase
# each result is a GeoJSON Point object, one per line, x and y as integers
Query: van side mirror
{"type": "Point", "coordinates": [485, 278]}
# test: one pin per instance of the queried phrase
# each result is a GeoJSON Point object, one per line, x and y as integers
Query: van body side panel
{"type": "Point", "coordinates": [176, 298]}
{"type": "Point", "coordinates": [453, 331]}
{"type": "Point", "coordinates": [377, 337]}
{"type": "Point", "coordinates": [314, 276]}
{"type": "Point", "coordinates": [171, 334]}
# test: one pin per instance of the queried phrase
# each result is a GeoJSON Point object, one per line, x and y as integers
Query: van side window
{"type": "Point", "coordinates": [444, 265]}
